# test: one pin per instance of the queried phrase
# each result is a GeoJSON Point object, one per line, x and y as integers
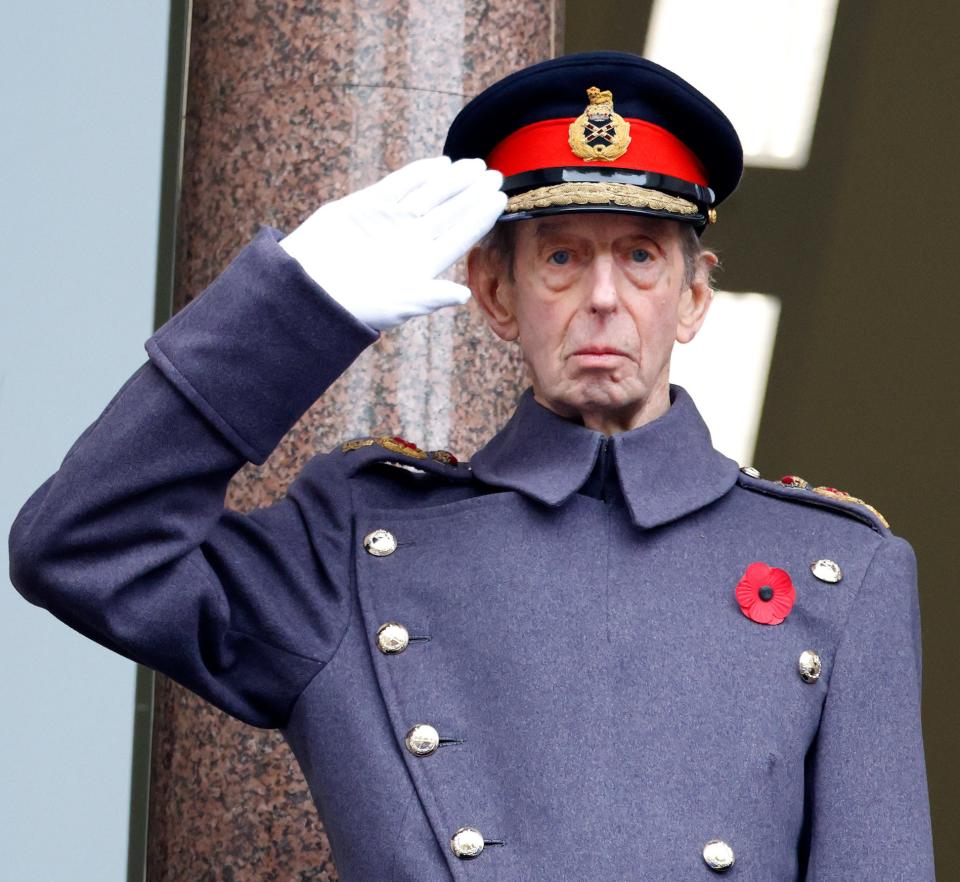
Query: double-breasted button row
{"type": "Point", "coordinates": [422, 739]}
{"type": "Point", "coordinates": [809, 665]}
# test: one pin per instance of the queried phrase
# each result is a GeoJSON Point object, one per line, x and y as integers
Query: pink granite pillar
{"type": "Point", "coordinates": [292, 104]}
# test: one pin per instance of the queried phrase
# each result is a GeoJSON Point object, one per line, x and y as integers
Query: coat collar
{"type": "Point", "coordinates": [666, 468]}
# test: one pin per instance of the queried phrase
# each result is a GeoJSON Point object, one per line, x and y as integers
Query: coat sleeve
{"type": "Point", "coordinates": [129, 541]}
{"type": "Point", "coordinates": [868, 808]}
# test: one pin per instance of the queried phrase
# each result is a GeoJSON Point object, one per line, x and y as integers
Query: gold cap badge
{"type": "Point", "coordinates": [599, 133]}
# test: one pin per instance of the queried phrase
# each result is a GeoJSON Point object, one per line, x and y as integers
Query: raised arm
{"type": "Point", "coordinates": [129, 542]}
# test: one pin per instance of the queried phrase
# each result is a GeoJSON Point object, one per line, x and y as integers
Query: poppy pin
{"type": "Point", "coordinates": [765, 594]}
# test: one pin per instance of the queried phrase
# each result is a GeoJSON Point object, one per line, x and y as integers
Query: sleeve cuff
{"type": "Point", "coordinates": [258, 347]}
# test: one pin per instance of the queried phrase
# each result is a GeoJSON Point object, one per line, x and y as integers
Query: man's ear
{"type": "Point", "coordinates": [695, 299]}
{"type": "Point", "coordinates": [488, 279]}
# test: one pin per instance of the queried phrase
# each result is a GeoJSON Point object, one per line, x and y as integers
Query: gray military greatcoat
{"type": "Point", "coordinates": [566, 689]}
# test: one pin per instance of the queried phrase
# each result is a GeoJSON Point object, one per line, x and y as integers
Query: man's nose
{"type": "Point", "coordinates": [602, 295]}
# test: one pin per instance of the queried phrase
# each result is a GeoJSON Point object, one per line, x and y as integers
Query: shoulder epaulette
{"type": "Point", "coordinates": [396, 451]}
{"type": "Point", "coordinates": [796, 488]}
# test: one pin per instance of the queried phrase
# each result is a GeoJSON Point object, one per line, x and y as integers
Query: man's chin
{"type": "Point", "coordinates": [600, 396]}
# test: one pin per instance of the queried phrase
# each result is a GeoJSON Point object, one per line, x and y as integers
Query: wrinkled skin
{"type": "Point", "coordinates": [596, 302]}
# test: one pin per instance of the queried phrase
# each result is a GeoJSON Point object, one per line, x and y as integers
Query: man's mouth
{"type": "Point", "coordinates": [598, 356]}
{"type": "Point", "coordinates": [600, 350]}
{"type": "Point", "coordinates": [602, 358]}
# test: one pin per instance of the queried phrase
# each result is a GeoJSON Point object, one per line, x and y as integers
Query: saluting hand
{"type": "Point", "coordinates": [378, 251]}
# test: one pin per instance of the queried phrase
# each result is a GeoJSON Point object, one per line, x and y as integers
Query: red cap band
{"type": "Point", "coordinates": [546, 144]}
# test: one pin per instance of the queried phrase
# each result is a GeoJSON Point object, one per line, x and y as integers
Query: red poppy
{"type": "Point", "coordinates": [765, 594]}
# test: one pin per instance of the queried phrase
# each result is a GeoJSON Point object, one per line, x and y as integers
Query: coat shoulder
{"type": "Point", "coordinates": [794, 489]}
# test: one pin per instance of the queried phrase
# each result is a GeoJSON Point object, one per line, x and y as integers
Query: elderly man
{"type": "Point", "coordinates": [601, 651]}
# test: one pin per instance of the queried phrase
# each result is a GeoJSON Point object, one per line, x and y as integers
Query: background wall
{"type": "Point", "coordinates": [82, 88]}
{"type": "Point", "coordinates": [864, 391]}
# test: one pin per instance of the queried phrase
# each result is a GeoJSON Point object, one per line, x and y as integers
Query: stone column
{"type": "Point", "coordinates": [292, 104]}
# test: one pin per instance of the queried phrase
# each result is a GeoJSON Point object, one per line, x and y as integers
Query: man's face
{"type": "Point", "coordinates": [596, 303]}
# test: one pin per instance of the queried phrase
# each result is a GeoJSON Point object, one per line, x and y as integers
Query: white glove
{"type": "Point", "coordinates": [377, 251]}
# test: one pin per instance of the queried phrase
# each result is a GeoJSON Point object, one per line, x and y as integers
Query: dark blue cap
{"type": "Point", "coordinates": [602, 131]}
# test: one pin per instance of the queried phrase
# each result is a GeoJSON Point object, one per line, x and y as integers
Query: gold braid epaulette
{"type": "Point", "coordinates": [833, 493]}
{"type": "Point", "coordinates": [396, 444]}
{"type": "Point", "coordinates": [795, 482]}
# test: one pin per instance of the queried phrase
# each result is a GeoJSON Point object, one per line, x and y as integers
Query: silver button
{"type": "Point", "coordinates": [809, 666]}
{"type": "Point", "coordinates": [826, 570]}
{"type": "Point", "coordinates": [422, 739]}
{"type": "Point", "coordinates": [467, 842]}
{"type": "Point", "coordinates": [380, 543]}
{"type": "Point", "coordinates": [392, 637]}
{"type": "Point", "coordinates": [750, 471]}
{"type": "Point", "coordinates": [718, 856]}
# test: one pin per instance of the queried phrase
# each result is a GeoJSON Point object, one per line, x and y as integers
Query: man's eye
{"type": "Point", "coordinates": [559, 258]}
{"type": "Point", "coordinates": [640, 255]}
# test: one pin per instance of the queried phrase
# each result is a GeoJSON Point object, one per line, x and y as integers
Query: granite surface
{"type": "Point", "coordinates": [292, 104]}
